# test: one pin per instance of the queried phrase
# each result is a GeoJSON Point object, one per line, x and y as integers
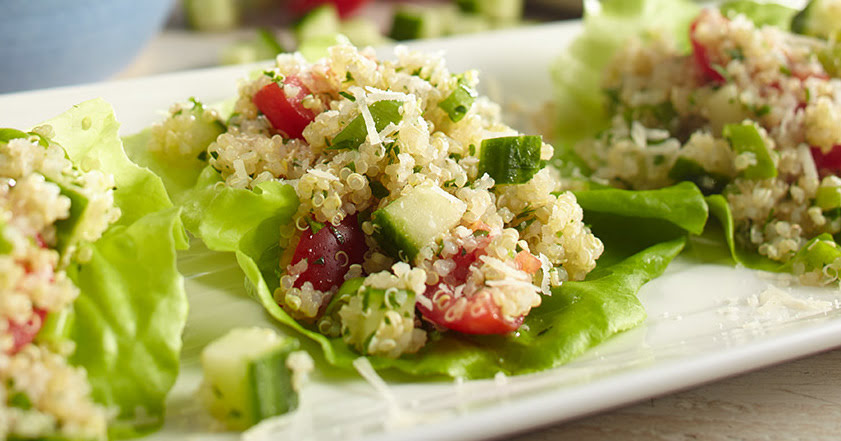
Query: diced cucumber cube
{"type": "Point", "coordinates": [828, 198]}
{"type": "Point", "coordinates": [511, 159]}
{"type": "Point", "coordinates": [745, 138]}
{"type": "Point", "coordinates": [264, 46]}
{"type": "Point", "coordinates": [376, 321]}
{"type": "Point", "coordinates": [246, 378]}
{"type": "Point", "coordinates": [330, 324]}
{"type": "Point", "coordinates": [315, 48]}
{"type": "Point", "coordinates": [415, 220]}
{"type": "Point", "coordinates": [6, 246]}
{"type": "Point", "coordinates": [818, 19]}
{"type": "Point", "coordinates": [362, 32]}
{"type": "Point", "coordinates": [496, 10]}
{"type": "Point", "coordinates": [57, 326]}
{"type": "Point", "coordinates": [322, 21]}
{"type": "Point", "coordinates": [412, 22]}
{"type": "Point", "coordinates": [356, 132]}
{"type": "Point", "coordinates": [67, 231]}
{"type": "Point", "coordinates": [761, 14]}
{"type": "Point", "coordinates": [212, 15]}
{"type": "Point", "coordinates": [817, 253]}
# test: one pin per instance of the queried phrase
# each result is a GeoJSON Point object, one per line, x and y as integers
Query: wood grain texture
{"type": "Point", "coordinates": [799, 400]}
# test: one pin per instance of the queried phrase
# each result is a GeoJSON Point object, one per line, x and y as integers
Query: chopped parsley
{"type": "Point", "coordinates": [314, 225]}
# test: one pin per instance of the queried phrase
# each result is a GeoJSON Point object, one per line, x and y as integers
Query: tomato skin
{"type": "Point", "coordinates": [286, 114]}
{"type": "Point", "coordinates": [345, 7]}
{"type": "Point", "coordinates": [325, 270]}
{"type": "Point", "coordinates": [481, 315]}
{"type": "Point", "coordinates": [827, 161]}
{"type": "Point", "coordinates": [486, 320]}
{"type": "Point", "coordinates": [24, 333]}
{"type": "Point", "coordinates": [702, 56]}
{"type": "Point", "coordinates": [527, 262]}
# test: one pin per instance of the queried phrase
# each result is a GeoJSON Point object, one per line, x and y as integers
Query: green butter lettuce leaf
{"type": "Point", "coordinates": [577, 74]}
{"type": "Point", "coordinates": [760, 13]}
{"type": "Point", "coordinates": [132, 306]}
{"type": "Point", "coordinates": [129, 320]}
{"type": "Point", "coordinates": [89, 134]}
{"type": "Point", "coordinates": [652, 215]}
{"type": "Point", "coordinates": [577, 316]}
{"type": "Point", "coordinates": [178, 176]}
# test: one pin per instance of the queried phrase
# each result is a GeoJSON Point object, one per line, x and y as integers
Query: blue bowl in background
{"type": "Point", "coordinates": [46, 43]}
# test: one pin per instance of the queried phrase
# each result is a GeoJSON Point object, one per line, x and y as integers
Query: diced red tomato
{"type": "Point", "coordinates": [24, 333]}
{"type": "Point", "coordinates": [330, 252]}
{"type": "Point", "coordinates": [345, 7]}
{"type": "Point", "coordinates": [702, 55]}
{"type": "Point", "coordinates": [286, 113]}
{"type": "Point", "coordinates": [527, 262]}
{"type": "Point", "coordinates": [478, 314]}
{"type": "Point", "coordinates": [827, 161]}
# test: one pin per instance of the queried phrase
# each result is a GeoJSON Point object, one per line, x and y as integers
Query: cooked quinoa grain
{"type": "Point", "coordinates": [675, 115]}
{"type": "Point", "coordinates": [41, 395]}
{"type": "Point", "coordinates": [385, 158]}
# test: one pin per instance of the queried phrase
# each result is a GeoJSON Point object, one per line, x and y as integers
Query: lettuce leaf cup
{"type": "Point", "coordinates": [730, 99]}
{"type": "Point", "coordinates": [382, 208]}
{"type": "Point", "coordinates": [92, 305]}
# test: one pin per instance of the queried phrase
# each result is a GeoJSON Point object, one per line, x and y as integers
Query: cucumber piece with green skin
{"type": "Point", "coordinates": [820, 18]}
{"type": "Point", "coordinates": [354, 134]}
{"type": "Point", "coordinates": [511, 159]}
{"type": "Point", "coordinates": [67, 231]}
{"type": "Point", "coordinates": [362, 32]}
{"type": "Point", "coordinates": [322, 21]}
{"type": "Point", "coordinates": [458, 102]}
{"type": "Point", "coordinates": [830, 58]}
{"type": "Point", "coordinates": [415, 220]}
{"type": "Point", "coordinates": [57, 326]}
{"type": "Point", "coordinates": [686, 169]}
{"type": "Point", "coordinates": [496, 10]}
{"type": "Point", "coordinates": [745, 138]}
{"type": "Point", "coordinates": [376, 321]}
{"type": "Point", "coordinates": [330, 324]}
{"type": "Point", "coordinates": [315, 48]}
{"type": "Point", "coordinates": [817, 253]}
{"type": "Point", "coordinates": [6, 246]}
{"type": "Point", "coordinates": [202, 131]}
{"type": "Point", "coordinates": [246, 378]}
{"type": "Point", "coordinates": [828, 198]}
{"type": "Point", "coordinates": [212, 15]}
{"type": "Point", "coordinates": [761, 14]}
{"type": "Point", "coordinates": [413, 22]}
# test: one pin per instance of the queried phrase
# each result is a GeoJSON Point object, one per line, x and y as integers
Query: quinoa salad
{"type": "Point", "coordinates": [41, 193]}
{"type": "Point", "coordinates": [418, 209]}
{"type": "Point", "coordinates": [750, 113]}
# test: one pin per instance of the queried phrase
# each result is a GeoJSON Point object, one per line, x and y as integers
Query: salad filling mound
{"type": "Point", "coordinates": [750, 114]}
{"type": "Point", "coordinates": [418, 208]}
{"type": "Point", "coordinates": [42, 195]}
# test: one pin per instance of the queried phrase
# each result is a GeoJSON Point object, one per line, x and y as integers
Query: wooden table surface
{"type": "Point", "coordinates": [798, 400]}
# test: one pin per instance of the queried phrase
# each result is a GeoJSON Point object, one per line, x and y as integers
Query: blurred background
{"type": "Point", "coordinates": [48, 43]}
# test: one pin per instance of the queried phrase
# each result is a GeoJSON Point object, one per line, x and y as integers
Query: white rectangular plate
{"type": "Point", "coordinates": [705, 322]}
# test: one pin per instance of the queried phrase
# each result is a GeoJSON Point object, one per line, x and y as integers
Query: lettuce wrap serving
{"type": "Point", "coordinates": [740, 100]}
{"type": "Point", "coordinates": [383, 208]}
{"type": "Point", "coordinates": [91, 304]}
